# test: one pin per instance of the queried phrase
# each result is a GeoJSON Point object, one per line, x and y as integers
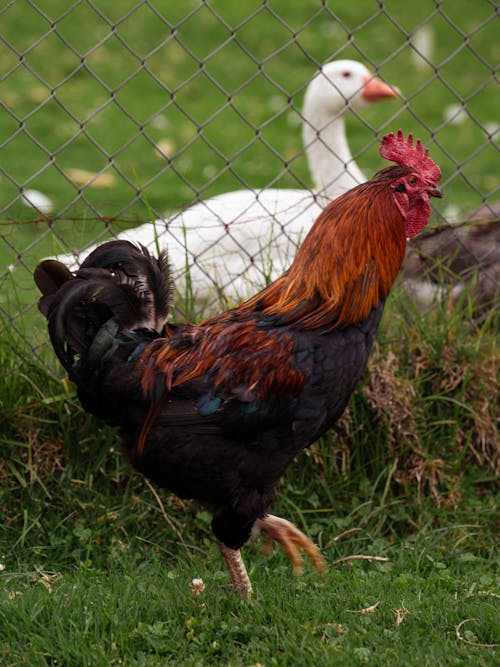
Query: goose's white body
{"type": "Point", "coordinates": [236, 242]}
{"type": "Point", "coordinates": [233, 243]}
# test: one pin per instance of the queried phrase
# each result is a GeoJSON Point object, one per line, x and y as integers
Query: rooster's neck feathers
{"type": "Point", "coordinates": [346, 265]}
{"type": "Point", "coordinates": [343, 271]}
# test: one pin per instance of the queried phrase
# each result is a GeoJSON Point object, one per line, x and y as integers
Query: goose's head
{"type": "Point", "coordinates": [339, 86]}
{"type": "Point", "coordinates": [342, 85]}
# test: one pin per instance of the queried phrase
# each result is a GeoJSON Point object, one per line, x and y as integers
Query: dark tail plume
{"type": "Point", "coordinates": [119, 288]}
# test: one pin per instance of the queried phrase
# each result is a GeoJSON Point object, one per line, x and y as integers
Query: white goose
{"type": "Point", "coordinates": [235, 242]}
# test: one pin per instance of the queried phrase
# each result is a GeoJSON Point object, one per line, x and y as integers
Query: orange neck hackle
{"type": "Point", "coordinates": [346, 265]}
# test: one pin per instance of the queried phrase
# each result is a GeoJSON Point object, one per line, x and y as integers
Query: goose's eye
{"type": "Point", "coordinates": [346, 74]}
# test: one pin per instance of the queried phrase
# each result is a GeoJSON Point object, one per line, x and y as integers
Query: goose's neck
{"type": "Point", "coordinates": [330, 161]}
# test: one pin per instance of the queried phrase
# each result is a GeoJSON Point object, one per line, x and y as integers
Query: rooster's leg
{"type": "Point", "coordinates": [237, 569]}
{"type": "Point", "coordinates": [291, 540]}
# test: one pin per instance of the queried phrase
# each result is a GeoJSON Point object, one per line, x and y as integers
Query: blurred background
{"type": "Point", "coordinates": [113, 114]}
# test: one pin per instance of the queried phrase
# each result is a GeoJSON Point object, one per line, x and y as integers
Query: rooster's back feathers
{"type": "Point", "coordinates": [118, 282]}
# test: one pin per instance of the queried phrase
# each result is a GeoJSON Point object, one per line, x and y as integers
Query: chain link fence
{"type": "Point", "coordinates": [116, 114]}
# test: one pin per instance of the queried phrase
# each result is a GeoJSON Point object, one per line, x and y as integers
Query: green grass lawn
{"type": "Point", "coordinates": [141, 611]}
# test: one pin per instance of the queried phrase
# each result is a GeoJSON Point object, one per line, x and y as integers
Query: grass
{"type": "Point", "coordinates": [144, 613]}
{"type": "Point", "coordinates": [98, 569]}
{"type": "Point", "coordinates": [97, 577]}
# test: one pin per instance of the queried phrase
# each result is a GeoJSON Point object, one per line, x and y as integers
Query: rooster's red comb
{"type": "Point", "coordinates": [401, 150]}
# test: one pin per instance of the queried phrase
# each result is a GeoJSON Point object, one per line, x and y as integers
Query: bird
{"type": "Point", "coordinates": [450, 260]}
{"type": "Point", "coordinates": [235, 243]}
{"type": "Point", "coordinates": [217, 411]}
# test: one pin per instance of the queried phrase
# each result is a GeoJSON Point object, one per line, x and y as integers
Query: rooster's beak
{"type": "Point", "coordinates": [435, 192]}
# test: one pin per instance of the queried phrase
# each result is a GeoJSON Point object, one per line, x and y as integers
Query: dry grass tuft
{"type": "Point", "coordinates": [483, 395]}
{"type": "Point", "coordinates": [437, 412]}
{"type": "Point", "coordinates": [427, 473]}
{"type": "Point", "coordinates": [392, 399]}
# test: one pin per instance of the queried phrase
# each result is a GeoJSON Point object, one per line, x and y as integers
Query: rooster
{"type": "Point", "coordinates": [217, 411]}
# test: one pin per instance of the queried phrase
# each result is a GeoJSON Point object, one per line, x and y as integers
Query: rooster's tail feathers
{"type": "Point", "coordinates": [135, 268]}
{"type": "Point", "coordinates": [118, 288]}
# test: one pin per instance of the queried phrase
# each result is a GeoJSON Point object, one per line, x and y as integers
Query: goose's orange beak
{"type": "Point", "coordinates": [374, 89]}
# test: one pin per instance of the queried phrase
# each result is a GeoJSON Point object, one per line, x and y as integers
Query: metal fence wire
{"type": "Point", "coordinates": [116, 114]}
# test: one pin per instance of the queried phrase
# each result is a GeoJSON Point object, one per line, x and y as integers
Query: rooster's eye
{"type": "Point", "coordinates": [412, 180]}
